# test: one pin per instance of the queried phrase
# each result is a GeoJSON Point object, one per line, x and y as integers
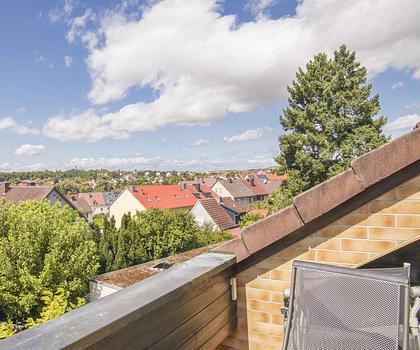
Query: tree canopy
{"type": "Point", "coordinates": [42, 248]}
{"type": "Point", "coordinates": [330, 119]}
{"type": "Point", "coordinates": [151, 235]}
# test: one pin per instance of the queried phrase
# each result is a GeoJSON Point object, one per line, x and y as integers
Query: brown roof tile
{"type": "Point", "coordinates": [19, 194]}
{"type": "Point", "coordinates": [218, 214]}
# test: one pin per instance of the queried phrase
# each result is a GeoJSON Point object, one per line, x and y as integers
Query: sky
{"type": "Point", "coordinates": [181, 84]}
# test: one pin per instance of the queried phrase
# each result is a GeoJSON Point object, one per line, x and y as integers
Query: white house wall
{"type": "Point", "coordinates": [125, 203]}
{"type": "Point", "coordinates": [221, 191]}
{"type": "Point", "coordinates": [201, 216]}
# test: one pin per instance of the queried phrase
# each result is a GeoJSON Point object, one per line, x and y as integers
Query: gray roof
{"type": "Point", "coordinates": [237, 188]}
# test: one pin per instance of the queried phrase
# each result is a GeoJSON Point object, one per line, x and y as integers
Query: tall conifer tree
{"type": "Point", "coordinates": [331, 119]}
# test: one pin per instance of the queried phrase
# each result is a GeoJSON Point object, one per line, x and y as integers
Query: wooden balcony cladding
{"type": "Point", "coordinates": [188, 306]}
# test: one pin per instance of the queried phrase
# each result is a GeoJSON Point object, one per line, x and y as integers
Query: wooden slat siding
{"type": "Point", "coordinates": [120, 321]}
{"type": "Point", "coordinates": [194, 324]}
{"type": "Point", "coordinates": [213, 332]}
{"type": "Point", "coordinates": [170, 316]}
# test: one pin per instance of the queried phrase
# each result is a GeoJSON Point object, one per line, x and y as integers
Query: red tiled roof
{"type": "Point", "coordinates": [169, 196]}
{"type": "Point", "coordinates": [256, 187]}
{"type": "Point", "coordinates": [259, 211]}
{"type": "Point", "coordinates": [277, 177]}
{"type": "Point", "coordinates": [218, 214]}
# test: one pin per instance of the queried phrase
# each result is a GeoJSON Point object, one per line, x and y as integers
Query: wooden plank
{"type": "Point", "coordinates": [179, 335]}
{"type": "Point", "coordinates": [152, 327]}
{"type": "Point", "coordinates": [215, 331]}
{"type": "Point", "coordinates": [221, 335]}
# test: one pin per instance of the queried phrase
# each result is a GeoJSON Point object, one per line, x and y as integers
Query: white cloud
{"type": "Point", "coordinates": [29, 150]}
{"type": "Point", "coordinates": [61, 11]}
{"type": "Point", "coordinates": [77, 25]}
{"type": "Point", "coordinates": [200, 142]}
{"type": "Point", "coordinates": [68, 60]}
{"type": "Point", "coordinates": [203, 65]}
{"type": "Point", "coordinates": [403, 123]}
{"type": "Point", "coordinates": [249, 135]}
{"type": "Point", "coordinates": [397, 85]}
{"type": "Point", "coordinates": [8, 167]}
{"type": "Point", "coordinates": [258, 7]}
{"type": "Point", "coordinates": [8, 123]}
{"type": "Point", "coordinates": [21, 109]}
{"type": "Point", "coordinates": [85, 126]}
{"type": "Point", "coordinates": [115, 162]}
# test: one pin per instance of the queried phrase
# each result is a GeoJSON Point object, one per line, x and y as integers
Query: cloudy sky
{"type": "Point", "coordinates": [182, 84]}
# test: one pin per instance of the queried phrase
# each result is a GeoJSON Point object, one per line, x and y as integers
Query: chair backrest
{"type": "Point", "coordinates": [337, 308]}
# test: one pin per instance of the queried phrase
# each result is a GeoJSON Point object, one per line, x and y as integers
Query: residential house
{"type": "Point", "coordinates": [139, 198]}
{"type": "Point", "coordinates": [209, 211]}
{"type": "Point", "coordinates": [247, 191]}
{"type": "Point", "coordinates": [98, 201]}
{"type": "Point", "coordinates": [18, 194]}
{"type": "Point", "coordinates": [231, 298]}
{"type": "Point", "coordinates": [82, 206]}
{"type": "Point", "coordinates": [232, 208]}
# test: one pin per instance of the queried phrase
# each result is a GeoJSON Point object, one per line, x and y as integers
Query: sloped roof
{"type": "Point", "coordinates": [218, 214]}
{"type": "Point", "coordinates": [94, 199]}
{"type": "Point", "coordinates": [169, 196]}
{"type": "Point", "coordinates": [368, 177]}
{"type": "Point", "coordinates": [272, 185]}
{"type": "Point", "coordinates": [79, 203]}
{"type": "Point", "coordinates": [229, 203]}
{"type": "Point", "coordinates": [237, 188]}
{"type": "Point", "coordinates": [19, 194]}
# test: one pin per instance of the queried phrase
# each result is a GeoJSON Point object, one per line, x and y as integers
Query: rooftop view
{"type": "Point", "coordinates": [229, 175]}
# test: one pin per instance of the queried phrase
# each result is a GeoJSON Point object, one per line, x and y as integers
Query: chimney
{"type": "Point", "coordinates": [133, 189]}
{"type": "Point", "coordinates": [230, 180]}
{"type": "Point", "coordinates": [219, 199]}
{"type": "Point", "coordinates": [197, 185]}
{"type": "Point", "coordinates": [252, 181]}
{"type": "Point", "coordinates": [4, 187]}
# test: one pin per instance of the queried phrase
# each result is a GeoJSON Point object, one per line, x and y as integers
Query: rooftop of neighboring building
{"type": "Point", "coordinates": [79, 203]}
{"type": "Point", "coordinates": [130, 275]}
{"type": "Point", "coordinates": [19, 194]}
{"type": "Point", "coordinates": [230, 204]}
{"type": "Point", "coordinates": [171, 196]}
{"type": "Point", "coordinates": [218, 214]}
{"type": "Point", "coordinates": [236, 187]}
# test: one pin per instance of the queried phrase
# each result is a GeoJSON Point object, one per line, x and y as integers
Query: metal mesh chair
{"type": "Point", "coordinates": [336, 308]}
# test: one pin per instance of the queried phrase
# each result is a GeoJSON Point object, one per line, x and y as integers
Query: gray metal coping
{"type": "Point", "coordinates": [393, 275]}
{"type": "Point", "coordinates": [101, 318]}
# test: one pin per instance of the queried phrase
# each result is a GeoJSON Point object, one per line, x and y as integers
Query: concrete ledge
{"type": "Point", "coordinates": [326, 196]}
{"type": "Point", "coordinates": [123, 310]}
{"type": "Point", "coordinates": [388, 159]}
{"type": "Point", "coordinates": [271, 229]}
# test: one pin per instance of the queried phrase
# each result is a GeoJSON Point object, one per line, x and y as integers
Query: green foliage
{"type": "Point", "coordinates": [331, 119]}
{"type": "Point", "coordinates": [42, 248]}
{"type": "Point", "coordinates": [55, 304]}
{"type": "Point", "coordinates": [151, 235]}
{"type": "Point", "coordinates": [7, 329]}
{"type": "Point", "coordinates": [249, 219]}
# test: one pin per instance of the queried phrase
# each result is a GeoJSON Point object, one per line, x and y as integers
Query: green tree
{"type": "Point", "coordinates": [248, 219]}
{"type": "Point", "coordinates": [44, 248]}
{"type": "Point", "coordinates": [331, 119]}
{"type": "Point", "coordinates": [151, 235]}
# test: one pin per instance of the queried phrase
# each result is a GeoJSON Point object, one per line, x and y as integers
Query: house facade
{"type": "Point", "coordinates": [137, 198]}
{"type": "Point", "coordinates": [209, 211]}
{"type": "Point", "coordinates": [18, 194]}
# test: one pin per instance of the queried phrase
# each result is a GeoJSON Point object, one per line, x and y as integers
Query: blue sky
{"type": "Point", "coordinates": [175, 84]}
